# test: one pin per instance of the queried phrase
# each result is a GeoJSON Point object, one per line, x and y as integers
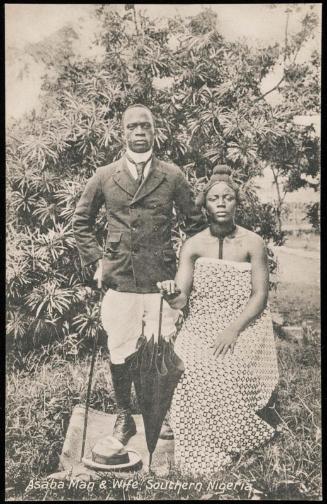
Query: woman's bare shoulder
{"type": "Point", "coordinates": [254, 242]}
{"type": "Point", "coordinates": [195, 244]}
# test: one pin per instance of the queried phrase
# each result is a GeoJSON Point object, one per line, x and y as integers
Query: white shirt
{"type": "Point", "coordinates": [138, 157]}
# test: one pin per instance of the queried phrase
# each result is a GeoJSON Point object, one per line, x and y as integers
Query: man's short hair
{"type": "Point", "coordinates": [136, 105]}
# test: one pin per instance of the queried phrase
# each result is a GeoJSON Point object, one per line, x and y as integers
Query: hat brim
{"type": "Point", "coordinates": [134, 459]}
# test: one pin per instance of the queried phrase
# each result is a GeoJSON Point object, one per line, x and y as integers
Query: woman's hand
{"type": "Point", "coordinates": [172, 294]}
{"type": "Point", "coordinates": [225, 340]}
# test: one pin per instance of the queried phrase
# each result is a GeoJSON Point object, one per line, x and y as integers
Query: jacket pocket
{"type": "Point", "coordinates": [113, 241]}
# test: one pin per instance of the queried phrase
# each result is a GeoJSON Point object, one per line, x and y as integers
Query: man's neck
{"type": "Point", "coordinates": [138, 157]}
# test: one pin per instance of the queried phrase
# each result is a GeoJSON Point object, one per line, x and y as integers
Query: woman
{"type": "Point", "coordinates": [227, 341]}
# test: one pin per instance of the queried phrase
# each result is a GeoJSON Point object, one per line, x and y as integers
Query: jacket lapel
{"type": "Point", "coordinates": [124, 178]}
{"type": "Point", "coordinates": [154, 178]}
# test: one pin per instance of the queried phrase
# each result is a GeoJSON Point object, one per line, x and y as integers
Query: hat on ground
{"type": "Point", "coordinates": [110, 454]}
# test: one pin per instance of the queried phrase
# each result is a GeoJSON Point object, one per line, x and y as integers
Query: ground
{"type": "Point", "coordinates": [42, 390]}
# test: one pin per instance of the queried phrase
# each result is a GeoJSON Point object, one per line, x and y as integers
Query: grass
{"type": "Point", "coordinates": [296, 303]}
{"type": "Point", "coordinates": [304, 241]}
{"type": "Point", "coordinates": [43, 389]}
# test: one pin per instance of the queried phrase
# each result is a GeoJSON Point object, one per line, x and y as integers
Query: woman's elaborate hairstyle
{"type": "Point", "coordinates": [220, 173]}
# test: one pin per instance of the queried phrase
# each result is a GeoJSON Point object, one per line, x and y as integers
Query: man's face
{"type": "Point", "coordinates": [138, 129]}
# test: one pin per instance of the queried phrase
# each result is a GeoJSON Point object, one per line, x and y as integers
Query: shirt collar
{"type": "Point", "coordinates": [138, 157]}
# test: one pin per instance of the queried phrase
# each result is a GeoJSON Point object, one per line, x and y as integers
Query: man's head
{"type": "Point", "coordinates": [138, 128]}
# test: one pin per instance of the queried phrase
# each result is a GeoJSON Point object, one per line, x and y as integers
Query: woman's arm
{"type": "Point", "coordinates": [260, 285]}
{"type": "Point", "coordinates": [183, 279]}
{"type": "Point", "coordinates": [257, 301]}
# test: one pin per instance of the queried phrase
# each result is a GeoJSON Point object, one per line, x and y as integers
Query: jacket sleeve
{"type": "Point", "coordinates": [194, 220]}
{"type": "Point", "coordinates": [84, 221]}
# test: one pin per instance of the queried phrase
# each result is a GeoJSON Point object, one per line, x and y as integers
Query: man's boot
{"type": "Point", "coordinates": [125, 426]}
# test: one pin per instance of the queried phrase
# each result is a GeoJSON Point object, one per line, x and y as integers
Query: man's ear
{"type": "Point", "coordinates": [122, 133]}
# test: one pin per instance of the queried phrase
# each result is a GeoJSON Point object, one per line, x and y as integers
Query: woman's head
{"type": "Point", "coordinates": [220, 195]}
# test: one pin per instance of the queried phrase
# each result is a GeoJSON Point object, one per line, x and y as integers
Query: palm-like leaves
{"type": "Point", "coordinates": [17, 323]}
{"type": "Point", "coordinates": [86, 323]}
{"type": "Point", "coordinates": [50, 300]}
{"type": "Point", "coordinates": [45, 211]}
{"type": "Point", "coordinates": [23, 201]}
{"type": "Point", "coordinates": [67, 198]}
{"type": "Point", "coordinates": [39, 149]}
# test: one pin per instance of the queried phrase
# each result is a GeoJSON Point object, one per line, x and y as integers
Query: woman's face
{"type": "Point", "coordinates": [221, 203]}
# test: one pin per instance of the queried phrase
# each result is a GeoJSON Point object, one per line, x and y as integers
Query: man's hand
{"type": "Point", "coordinates": [98, 274]}
{"type": "Point", "coordinates": [168, 288]}
{"type": "Point", "coordinates": [172, 294]}
{"type": "Point", "coordinates": [225, 340]}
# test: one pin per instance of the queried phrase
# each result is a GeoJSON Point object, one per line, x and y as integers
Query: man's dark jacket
{"type": "Point", "coordinates": [139, 251]}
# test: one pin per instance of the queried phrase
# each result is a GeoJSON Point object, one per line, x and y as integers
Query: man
{"type": "Point", "coordinates": [139, 192]}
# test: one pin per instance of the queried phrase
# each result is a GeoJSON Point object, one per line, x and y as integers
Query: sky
{"type": "Point", "coordinates": [32, 22]}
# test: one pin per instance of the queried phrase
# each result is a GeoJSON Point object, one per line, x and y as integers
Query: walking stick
{"type": "Point", "coordinates": [158, 339]}
{"type": "Point", "coordinates": [89, 386]}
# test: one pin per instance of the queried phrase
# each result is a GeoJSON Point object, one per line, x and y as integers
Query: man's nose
{"type": "Point", "coordinates": [139, 131]}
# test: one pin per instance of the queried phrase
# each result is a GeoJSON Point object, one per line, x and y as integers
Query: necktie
{"type": "Point", "coordinates": [140, 171]}
{"type": "Point", "coordinates": [139, 168]}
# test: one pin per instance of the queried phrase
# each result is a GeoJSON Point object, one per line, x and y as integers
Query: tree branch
{"type": "Point", "coordinates": [286, 34]}
{"type": "Point", "coordinates": [270, 90]}
{"type": "Point", "coordinates": [285, 55]}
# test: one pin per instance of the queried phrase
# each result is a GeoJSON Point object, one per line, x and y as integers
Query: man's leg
{"type": "Point", "coordinates": [170, 318]}
{"type": "Point", "coordinates": [125, 426]}
{"type": "Point", "coordinates": [121, 315]}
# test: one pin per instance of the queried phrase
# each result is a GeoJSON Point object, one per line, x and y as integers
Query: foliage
{"type": "Point", "coordinates": [205, 95]}
{"type": "Point", "coordinates": [313, 213]}
{"type": "Point", "coordinates": [293, 155]}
